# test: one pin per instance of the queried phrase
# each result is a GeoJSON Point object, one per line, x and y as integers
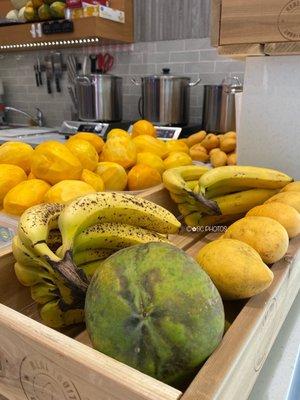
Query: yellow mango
{"type": "Point", "coordinates": [25, 195]}
{"type": "Point", "coordinates": [152, 160]}
{"type": "Point", "coordinates": [10, 176]}
{"type": "Point", "coordinates": [85, 152]}
{"type": "Point", "coordinates": [292, 187]}
{"type": "Point", "coordinates": [235, 268]}
{"type": "Point", "coordinates": [196, 138]}
{"type": "Point", "coordinates": [113, 175]}
{"type": "Point", "coordinates": [265, 235]}
{"type": "Point", "coordinates": [67, 190]}
{"type": "Point", "coordinates": [177, 159]}
{"type": "Point", "coordinates": [289, 197]}
{"type": "Point", "coordinates": [93, 179]}
{"type": "Point", "coordinates": [119, 150]}
{"type": "Point", "coordinates": [92, 138]}
{"type": "Point", "coordinates": [54, 162]}
{"type": "Point", "coordinates": [145, 143]}
{"type": "Point", "coordinates": [286, 215]}
{"type": "Point", "coordinates": [16, 153]}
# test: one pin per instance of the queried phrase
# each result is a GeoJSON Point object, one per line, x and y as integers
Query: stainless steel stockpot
{"type": "Point", "coordinates": [165, 98]}
{"type": "Point", "coordinates": [99, 97]}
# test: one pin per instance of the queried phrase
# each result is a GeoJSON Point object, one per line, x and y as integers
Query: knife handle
{"type": "Point", "coordinates": [49, 89]}
{"type": "Point", "coordinates": [40, 78]}
{"type": "Point", "coordinates": [57, 83]}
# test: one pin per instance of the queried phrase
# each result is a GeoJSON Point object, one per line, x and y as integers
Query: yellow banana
{"type": "Point", "coordinates": [179, 198]}
{"type": "Point", "coordinates": [175, 179]}
{"type": "Point", "coordinates": [114, 236]}
{"type": "Point", "coordinates": [26, 257]}
{"type": "Point", "coordinates": [90, 255]}
{"type": "Point", "coordinates": [35, 225]}
{"type": "Point", "coordinates": [197, 219]}
{"type": "Point", "coordinates": [57, 315]}
{"type": "Point", "coordinates": [107, 207]}
{"type": "Point", "coordinates": [229, 179]}
{"type": "Point", "coordinates": [29, 276]}
{"type": "Point", "coordinates": [242, 202]}
{"type": "Point", "coordinates": [186, 208]}
{"type": "Point", "coordinates": [90, 268]}
{"type": "Point", "coordinates": [42, 293]}
{"type": "Point", "coordinates": [191, 184]}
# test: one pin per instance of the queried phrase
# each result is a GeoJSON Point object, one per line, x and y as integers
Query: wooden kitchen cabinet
{"type": "Point", "coordinates": [256, 27]}
{"type": "Point", "coordinates": [87, 31]}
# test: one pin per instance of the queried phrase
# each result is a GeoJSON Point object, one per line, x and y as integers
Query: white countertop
{"type": "Point", "coordinates": [277, 374]}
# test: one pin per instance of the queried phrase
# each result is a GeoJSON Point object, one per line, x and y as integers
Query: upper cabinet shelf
{"type": "Point", "coordinates": [91, 30]}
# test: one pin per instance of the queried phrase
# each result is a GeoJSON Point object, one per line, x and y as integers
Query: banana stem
{"type": "Point", "coordinates": [211, 205]}
{"type": "Point", "coordinates": [73, 277]}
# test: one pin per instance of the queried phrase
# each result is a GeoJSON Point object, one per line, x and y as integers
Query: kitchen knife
{"type": "Point", "coordinates": [57, 67]}
{"type": "Point", "coordinates": [93, 59]}
{"type": "Point", "coordinates": [49, 72]}
{"type": "Point", "coordinates": [39, 71]}
{"type": "Point", "coordinates": [36, 75]}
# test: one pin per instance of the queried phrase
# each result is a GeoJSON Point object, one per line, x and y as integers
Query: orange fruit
{"type": "Point", "coordinates": [67, 190]}
{"type": "Point", "coordinates": [113, 175]}
{"type": "Point", "coordinates": [152, 160]}
{"type": "Point", "coordinates": [93, 179]}
{"type": "Point", "coordinates": [143, 177]}
{"type": "Point", "coordinates": [25, 195]}
{"type": "Point", "coordinates": [117, 133]}
{"type": "Point", "coordinates": [177, 159]}
{"type": "Point", "coordinates": [85, 152]}
{"type": "Point", "coordinates": [143, 127]}
{"type": "Point", "coordinates": [94, 139]}
{"type": "Point", "coordinates": [119, 150]}
{"type": "Point", "coordinates": [53, 162]}
{"type": "Point", "coordinates": [16, 153]}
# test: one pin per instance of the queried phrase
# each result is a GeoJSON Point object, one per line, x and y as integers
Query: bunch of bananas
{"type": "Point", "coordinates": [58, 248]}
{"type": "Point", "coordinates": [221, 195]}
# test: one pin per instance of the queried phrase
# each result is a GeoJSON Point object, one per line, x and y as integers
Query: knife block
{"type": "Point", "coordinates": [269, 133]}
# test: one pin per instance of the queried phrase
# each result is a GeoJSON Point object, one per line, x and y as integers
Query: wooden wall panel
{"type": "Point", "coordinates": [259, 21]}
{"type": "Point", "coordinates": [171, 19]}
{"type": "Point", "coordinates": [5, 6]}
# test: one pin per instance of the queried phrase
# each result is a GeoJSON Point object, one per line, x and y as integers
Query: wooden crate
{"type": "Point", "coordinates": [256, 27]}
{"type": "Point", "coordinates": [39, 363]}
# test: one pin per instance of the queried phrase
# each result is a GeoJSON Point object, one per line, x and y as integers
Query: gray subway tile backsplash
{"type": "Point", "coordinates": [194, 58]}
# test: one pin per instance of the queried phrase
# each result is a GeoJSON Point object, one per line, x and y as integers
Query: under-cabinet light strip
{"type": "Point", "coordinates": [50, 43]}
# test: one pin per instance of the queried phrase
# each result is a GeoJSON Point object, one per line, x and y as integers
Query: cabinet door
{"type": "Point", "coordinates": [171, 19]}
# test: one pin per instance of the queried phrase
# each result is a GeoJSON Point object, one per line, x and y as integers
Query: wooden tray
{"type": "Point", "coordinates": [256, 27]}
{"type": "Point", "coordinates": [39, 363]}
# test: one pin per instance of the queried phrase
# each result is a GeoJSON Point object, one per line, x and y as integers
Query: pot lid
{"type": "Point", "coordinates": [165, 74]}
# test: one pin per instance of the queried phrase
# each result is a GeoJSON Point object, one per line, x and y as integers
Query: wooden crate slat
{"type": "Point", "coordinates": [28, 348]}
{"type": "Point", "coordinates": [232, 370]}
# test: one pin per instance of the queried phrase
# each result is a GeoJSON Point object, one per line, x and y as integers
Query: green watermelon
{"type": "Point", "coordinates": [152, 307]}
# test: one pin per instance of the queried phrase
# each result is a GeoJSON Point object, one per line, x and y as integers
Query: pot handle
{"type": "Point", "coordinates": [192, 84]}
{"type": "Point", "coordinates": [140, 106]}
{"type": "Point", "coordinates": [84, 80]}
{"type": "Point", "coordinates": [135, 82]}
